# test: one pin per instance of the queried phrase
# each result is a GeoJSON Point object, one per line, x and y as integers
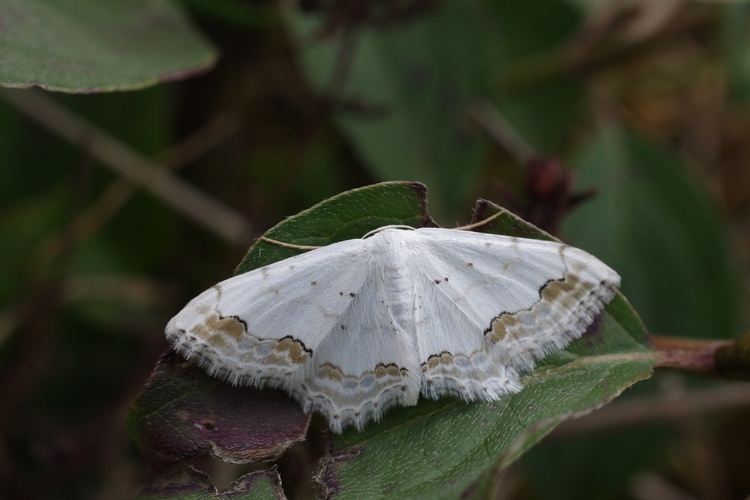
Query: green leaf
{"type": "Point", "coordinates": [733, 361]}
{"type": "Point", "coordinates": [533, 38]}
{"type": "Point", "coordinates": [652, 223]}
{"type": "Point", "coordinates": [734, 31]}
{"type": "Point", "coordinates": [453, 444]}
{"type": "Point", "coordinates": [557, 100]}
{"type": "Point", "coordinates": [23, 225]}
{"type": "Point", "coordinates": [655, 226]}
{"type": "Point", "coordinates": [343, 217]}
{"type": "Point", "coordinates": [553, 21]}
{"type": "Point", "coordinates": [406, 89]}
{"type": "Point", "coordinates": [84, 46]}
{"type": "Point", "coordinates": [595, 464]}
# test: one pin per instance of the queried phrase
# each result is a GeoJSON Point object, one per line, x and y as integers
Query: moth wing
{"type": "Point", "coordinates": [490, 306]}
{"type": "Point", "coordinates": [368, 364]}
{"type": "Point", "coordinates": [262, 328]}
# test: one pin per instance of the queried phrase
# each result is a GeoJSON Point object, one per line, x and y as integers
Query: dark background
{"type": "Point", "coordinates": [634, 118]}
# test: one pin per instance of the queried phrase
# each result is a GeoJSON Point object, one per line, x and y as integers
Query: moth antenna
{"type": "Point", "coordinates": [289, 245]}
{"type": "Point", "coordinates": [481, 222]}
{"type": "Point", "coordinates": [392, 226]}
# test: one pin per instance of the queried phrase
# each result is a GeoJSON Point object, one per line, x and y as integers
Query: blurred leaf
{"type": "Point", "coordinates": [532, 36]}
{"type": "Point", "coordinates": [140, 119]}
{"type": "Point", "coordinates": [232, 11]}
{"type": "Point", "coordinates": [594, 465]}
{"type": "Point", "coordinates": [83, 46]}
{"type": "Point", "coordinates": [654, 225]}
{"type": "Point", "coordinates": [53, 168]}
{"type": "Point", "coordinates": [405, 90]}
{"type": "Point", "coordinates": [32, 162]}
{"type": "Point", "coordinates": [69, 366]}
{"type": "Point", "coordinates": [22, 227]}
{"type": "Point", "coordinates": [733, 361]}
{"type": "Point", "coordinates": [558, 100]}
{"type": "Point", "coordinates": [734, 26]}
{"type": "Point", "coordinates": [182, 413]}
{"type": "Point", "coordinates": [526, 29]}
{"type": "Point", "coordinates": [143, 121]}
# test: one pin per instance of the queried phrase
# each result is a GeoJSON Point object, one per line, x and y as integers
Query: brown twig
{"type": "Point", "coordinates": [181, 196]}
{"type": "Point", "coordinates": [87, 222]}
{"type": "Point", "coordinates": [489, 118]}
{"type": "Point", "coordinates": [658, 408]}
{"type": "Point", "coordinates": [725, 358]}
{"type": "Point", "coordinates": [329, 98]}
{"type": "Point", "coordinates": [688, 354]}
{"type": "Point", "coordinates": [591, 53]}
{"type": "Point", "coordinates": [113, 197]}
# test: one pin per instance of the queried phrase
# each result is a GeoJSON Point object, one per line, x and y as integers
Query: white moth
{"type": "Point", "coordinates": [357, 327]}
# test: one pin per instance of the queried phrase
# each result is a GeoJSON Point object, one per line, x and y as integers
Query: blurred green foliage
{"type": "Point", "coordinates": [308, 99]}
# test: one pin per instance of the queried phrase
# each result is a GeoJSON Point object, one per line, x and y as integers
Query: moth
{"type": "Point", "coordinates": [354, 328]}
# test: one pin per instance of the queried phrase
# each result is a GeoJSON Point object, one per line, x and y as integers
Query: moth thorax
{"type": "Point", "coordinates": [389, 250]}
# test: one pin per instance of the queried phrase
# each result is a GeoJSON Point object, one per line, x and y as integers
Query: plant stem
{"type": "Point", "coordinates": [719, 357]}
